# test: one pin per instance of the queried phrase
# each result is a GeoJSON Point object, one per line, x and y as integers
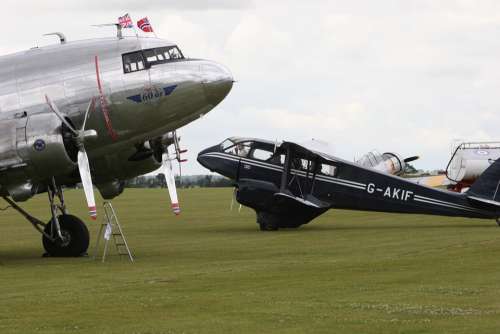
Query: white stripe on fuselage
{"type": "Point", "coordinates": [334, 180]}
{"type": "Point", "coordinates": [434, 201]}
{"type": "Point", "coordinates": [346, 183]}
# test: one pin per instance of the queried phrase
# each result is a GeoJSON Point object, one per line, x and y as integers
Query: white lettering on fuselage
{"type": "Point", "coordinates": [390, 192]}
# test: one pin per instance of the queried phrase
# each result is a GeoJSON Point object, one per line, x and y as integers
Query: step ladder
{"type": "Point", "coordinates": [111, 230]}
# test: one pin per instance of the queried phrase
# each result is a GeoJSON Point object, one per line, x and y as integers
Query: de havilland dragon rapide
{"type": "Point", "coordinates": [98, 112]}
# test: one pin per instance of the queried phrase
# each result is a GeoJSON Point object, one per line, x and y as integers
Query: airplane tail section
{"type": "Point", "coordinates": [486, 189]}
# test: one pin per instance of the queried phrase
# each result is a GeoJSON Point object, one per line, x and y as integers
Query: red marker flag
{"type": "Point", "coordinates": [144, 25]}
{"type": "Point", "coordinates": [126, 21]}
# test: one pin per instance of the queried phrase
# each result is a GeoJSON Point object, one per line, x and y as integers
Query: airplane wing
{"type": "Point", "coordinates": [431, 181]}
{"type": "Point", "coordinates": [285, 209]}
{"type": "Point", "coordinates": [304, 151]}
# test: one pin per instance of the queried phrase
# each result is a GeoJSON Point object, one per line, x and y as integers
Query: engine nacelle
{"type": "Point", "coordinates": [111, 190]}
{"type": "Point", "coordinates": [32, 150]}
{"type": "Point", "coordinates": [48, 147]}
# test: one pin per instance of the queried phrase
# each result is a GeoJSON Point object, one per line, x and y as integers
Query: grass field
{"type": "Point", "coordinates": [211, 271]}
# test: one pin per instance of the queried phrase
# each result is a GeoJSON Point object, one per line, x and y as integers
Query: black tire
{"type": "Point", "coordinates": [267, 222]}
{"type": "Point", "coordinates": [77, 236]}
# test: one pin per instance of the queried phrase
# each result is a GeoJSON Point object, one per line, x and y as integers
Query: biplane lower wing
{"type": "Point", "coordinates": [276, 209]}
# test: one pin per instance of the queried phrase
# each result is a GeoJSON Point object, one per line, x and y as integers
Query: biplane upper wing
{"type": "Point", "coordinates": [303, 151]}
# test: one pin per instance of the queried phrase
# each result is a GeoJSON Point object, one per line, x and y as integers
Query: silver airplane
{"type": "Point", "coordinates": [98, 112]}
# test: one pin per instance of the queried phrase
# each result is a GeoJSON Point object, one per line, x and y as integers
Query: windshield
{"type": "Point", "coordinates": [249, 148]}
{"type": "Point", "coordinates": [370, 159]}
{"type": "Point", "coordinates": [240, 149]}
{"type": "Point", "coordinates": [144, 59]}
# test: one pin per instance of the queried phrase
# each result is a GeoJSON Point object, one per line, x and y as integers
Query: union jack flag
{"type": "Point", "coordinates": [144, 25]}
{"type": "Point", "coordinates": [125, 21]}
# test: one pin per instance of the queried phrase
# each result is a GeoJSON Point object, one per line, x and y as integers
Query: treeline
{"type": "Point", "coordinates": [188, 181]}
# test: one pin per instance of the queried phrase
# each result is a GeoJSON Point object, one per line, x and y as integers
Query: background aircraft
{"type": "Point", "coordinates": [468, 161]}
{"type": "Point", "coordinates": [289, 185]}
{"type": "Point", "coordinates": [390, 163]}
{"type": "Point", "coordinates": [99, 112]}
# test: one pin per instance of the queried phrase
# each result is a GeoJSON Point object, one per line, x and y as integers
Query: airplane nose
{"type": "Point", "coordinates": [205, 160]}
{"type": "Point", "coordinates": [218, 82]}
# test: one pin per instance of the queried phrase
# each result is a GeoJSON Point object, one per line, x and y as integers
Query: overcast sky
{"type": "Point", "coordinates": [404, 76]}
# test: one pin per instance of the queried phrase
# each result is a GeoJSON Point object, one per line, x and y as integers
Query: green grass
{"type": "Point", "coordinates": [211, 271]}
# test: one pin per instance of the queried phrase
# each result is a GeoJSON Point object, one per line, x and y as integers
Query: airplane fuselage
{"type": "Point", "coordinates": [136, 101]}
{"type": "Point", "coordinates": [294, 188]}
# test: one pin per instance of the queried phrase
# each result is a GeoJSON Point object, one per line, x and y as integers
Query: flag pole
{"type": "Point", "coordinates": [135, 31]}
{"type": "Point", "coordinates": [133, 27]}
{"type": "Point", "coordinates": [154, 31]}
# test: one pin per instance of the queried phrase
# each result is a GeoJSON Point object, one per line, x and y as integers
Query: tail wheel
{"type": "Point", "coordinates": [75, 238]}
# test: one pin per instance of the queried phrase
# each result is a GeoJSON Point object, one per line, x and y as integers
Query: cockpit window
{"type": "Point", "coordinates": [239, 149]}
{"type": "Point", "coordinates": [175, 53]}
{"type": "Point", "coordinates": [133, 62]}
{"type": "Point", "coordinates": [226, 144]}
{"type": "Point", "coordinates": [140, 60]}
{"type": "Point", "coordinates": [253, 150]}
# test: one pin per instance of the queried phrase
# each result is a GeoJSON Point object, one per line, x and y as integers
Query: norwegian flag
{"type": "Point", "coordinates": [144, 25]}
{"type": "Point", "coordinates": [125, 21]}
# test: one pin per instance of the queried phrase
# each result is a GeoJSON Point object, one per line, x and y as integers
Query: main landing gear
{"type": "Point", "coordinates": [64, 235]}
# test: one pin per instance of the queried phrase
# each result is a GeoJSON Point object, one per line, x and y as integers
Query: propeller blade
{"type": "Point", "coordinates": [55, 109]}
{"type": "Point", "coordinates": [170, 179]}
{"type": "Point", "coordinates": [89, 109]}
{"type": "Point", "coordinates": [84, 168]}
{"type": "Point", "coordinates": [410, 159]}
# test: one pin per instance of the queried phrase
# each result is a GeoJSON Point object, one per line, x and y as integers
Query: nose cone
{"type": "Point", "coordinates": [214, 160]}
{"type": "Point", "coordinates": [218, 82]}
{"type": "Point", "coordinates": [205, 159]}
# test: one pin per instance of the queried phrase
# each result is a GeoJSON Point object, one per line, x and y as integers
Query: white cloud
{"type": "Point", "coordinates": [406, 76]}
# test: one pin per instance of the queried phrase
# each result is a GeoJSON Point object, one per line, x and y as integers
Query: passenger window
{"type": "Point", "coordinates": [328, 170]}
{"type": "Point", "coordinates": [260, 154]}
{"type": "Point", "coordinates": [277, 159]}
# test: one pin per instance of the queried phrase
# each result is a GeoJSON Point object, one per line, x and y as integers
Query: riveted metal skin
{"type": "Point", "coordinates": [138, 107]}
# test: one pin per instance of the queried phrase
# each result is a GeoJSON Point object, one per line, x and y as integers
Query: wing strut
{"type": "Point", "coordinates": [286, 169]}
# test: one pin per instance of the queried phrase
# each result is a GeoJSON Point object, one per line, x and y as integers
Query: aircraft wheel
{"type": "Point", "coordinates": [75, 234]}
{"type": "Point", "coordinates": [266, 222]}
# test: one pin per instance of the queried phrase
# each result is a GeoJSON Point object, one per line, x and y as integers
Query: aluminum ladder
{"type": "Point", "coordinates": [111, 229]}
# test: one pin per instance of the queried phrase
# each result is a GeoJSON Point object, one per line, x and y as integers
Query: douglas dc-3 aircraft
{"type": "Point", "coordinates": [289, 185]}
{"type": "Point", "coordinates": [99, 112]}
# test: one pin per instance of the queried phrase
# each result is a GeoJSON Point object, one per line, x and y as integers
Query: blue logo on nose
{"type": "Point", "coordinates": [151, 94]}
